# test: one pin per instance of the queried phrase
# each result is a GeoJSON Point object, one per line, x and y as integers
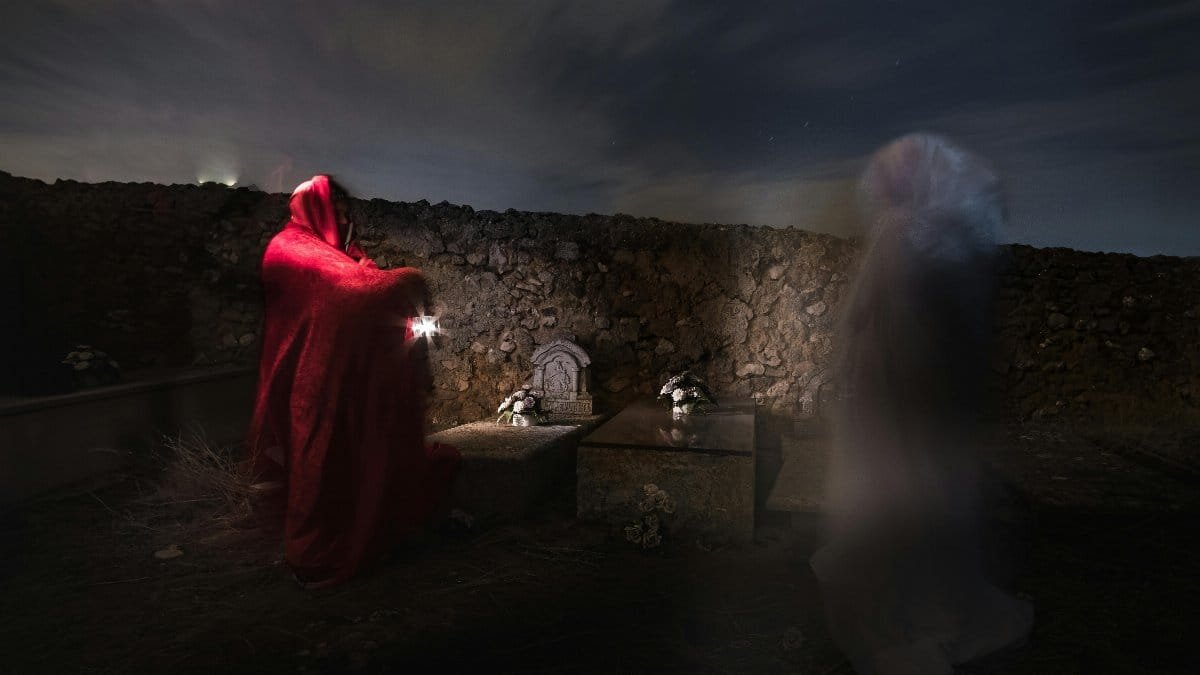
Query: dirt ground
{"type": "Point", "coordinates": [1098, 528]}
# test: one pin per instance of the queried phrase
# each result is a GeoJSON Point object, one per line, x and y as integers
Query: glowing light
{"type": "Point", "coordinates": [425, 326]}
{"type": "Point", "coordinates": [224, 179]}
{"type": "Point", "coordinates": [219, 166]}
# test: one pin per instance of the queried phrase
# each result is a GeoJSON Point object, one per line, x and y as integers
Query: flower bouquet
{"type": "Point", "coordinates": [685, 393]}
{"type": "Point", "coordinates": [92, 367]}
{"type": "Point", "coordinates": [523, 408]}
{"type": "Point", "coordinates": [647, 529]}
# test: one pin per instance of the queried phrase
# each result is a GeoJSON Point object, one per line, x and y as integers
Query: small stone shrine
{"type": "Point", "coordinates": [560, 370]}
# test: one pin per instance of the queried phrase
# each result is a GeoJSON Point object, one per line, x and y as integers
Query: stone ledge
{"type": "Point", "coordinates": [52, 442]}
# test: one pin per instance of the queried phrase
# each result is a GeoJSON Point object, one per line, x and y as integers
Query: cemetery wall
{"type": "Point", "coordinates": [166, 276]}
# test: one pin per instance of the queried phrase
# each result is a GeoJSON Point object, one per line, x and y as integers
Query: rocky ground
{"type": "Point", "coordinates": [1098, 527]}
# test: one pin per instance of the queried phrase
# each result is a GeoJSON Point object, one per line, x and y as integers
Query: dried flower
{"type": "Point", "coordinates": [646, 530]}
{"type": "Point", "coordinates": [651, 522]}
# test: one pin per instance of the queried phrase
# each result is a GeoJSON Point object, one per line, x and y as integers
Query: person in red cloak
{"type": "Point", "coordinates": [339, 415]}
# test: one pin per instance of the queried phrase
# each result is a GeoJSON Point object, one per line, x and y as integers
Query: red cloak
{"type": "Point", "coordinates": [340, 410]}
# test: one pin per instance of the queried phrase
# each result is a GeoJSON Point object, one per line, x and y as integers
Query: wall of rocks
{"type": "Point", "coordinates": [1099, 337]}
{"type": "Point", "coordinates": [166, 276]}
{"type": "Point", "coordinates": [156, 276]}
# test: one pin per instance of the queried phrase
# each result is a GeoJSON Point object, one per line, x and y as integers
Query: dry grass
{"type": "Point", "coordinates": [194, 470]}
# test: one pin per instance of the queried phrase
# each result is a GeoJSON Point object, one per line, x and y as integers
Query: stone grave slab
{"type": "Point", "coordinates": [506, 470]}
{"type": "Point", "coordinates": [705, 462]}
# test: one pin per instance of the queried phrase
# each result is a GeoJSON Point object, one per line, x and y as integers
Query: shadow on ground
{"type": "Point", "coordinates": [1104, 544]}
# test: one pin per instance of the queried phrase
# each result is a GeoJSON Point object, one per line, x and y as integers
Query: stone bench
{"type": "Point", "coordinates": [507, 470]}
{"type": "Point", "coordinates": [51, 442]}
{"type": "Point", "coordinates": [704, 461]}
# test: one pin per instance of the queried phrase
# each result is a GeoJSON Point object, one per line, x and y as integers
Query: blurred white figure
{"type": "Point", "coordinates": [901, 575]}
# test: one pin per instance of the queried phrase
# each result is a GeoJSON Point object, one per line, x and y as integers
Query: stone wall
{"type": "Point", "coordinates": [166, 276]}
{"type": "Point", "coordinates": [748, 308]}
{"type": "Point", "coordinates": [157, 276]}
{"type": "Point", "coordinates": [1103, 337]}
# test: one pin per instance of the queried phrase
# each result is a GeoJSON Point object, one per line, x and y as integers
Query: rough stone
{"type": "Point", "coordinates": [200, 248]}
{"type": "Point", "coordinates": [567, 250]}
{"type": "Point", "coordinates": [748, 369]}
{"type": "Point", "coordinates": [769, 358]}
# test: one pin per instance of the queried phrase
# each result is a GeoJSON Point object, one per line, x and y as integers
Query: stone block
{"type": "Point", "coordinates": [506, 470]}
{"type": "Point", "coordinates": [705, 462]}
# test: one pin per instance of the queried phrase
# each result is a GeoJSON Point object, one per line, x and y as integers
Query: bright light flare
{"type": "Point", "coordinates": [425, 326]}
{"type": "Point", "coordinates": [223, 178]}
{"type": "Point", "coordinates": [219, 166]}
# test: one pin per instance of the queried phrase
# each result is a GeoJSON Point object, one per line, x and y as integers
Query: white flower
{"type": "Point", "coordinates": [504, 406]}
{"type": "Point", "coordinates": [678, 395]}
{"type": "Point", "coordinates": [666, 389]}
{"type": "Point", "coordinates": [520, 406]}
{"type": "Point", "coordinates": [521, 394]}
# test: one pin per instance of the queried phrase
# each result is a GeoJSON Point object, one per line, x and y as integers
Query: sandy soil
{"type": "Point", "coordinates": [1094, 526]}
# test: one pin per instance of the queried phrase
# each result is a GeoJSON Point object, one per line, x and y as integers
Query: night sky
{"type": "Point", "coordinates": [698, 111]}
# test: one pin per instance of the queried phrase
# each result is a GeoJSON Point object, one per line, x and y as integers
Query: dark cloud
{"type": "Point", "coordinates": [695, 110]}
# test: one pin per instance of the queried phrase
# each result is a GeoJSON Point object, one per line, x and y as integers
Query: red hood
{"type": "Point", "coordinates": [312, 210]}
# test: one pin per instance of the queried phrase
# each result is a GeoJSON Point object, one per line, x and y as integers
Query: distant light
{"type": "Point", "coordinates": [219, 166]}
{"type": "Point", "coordinates": [224, 179]}
{"type": "Point", "coordinates": [425, 326]}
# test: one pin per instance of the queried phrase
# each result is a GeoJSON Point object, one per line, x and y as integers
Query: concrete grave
{"type": "Point", "coordinates": [706, 462]}
{"type": "Point", "coordinates": [506, 471]}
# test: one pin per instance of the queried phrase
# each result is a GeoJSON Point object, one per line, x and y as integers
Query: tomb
{"type": "Point", "coordinates": [506, 470]}
{"type": "Point", "coordinates": [705, 462]}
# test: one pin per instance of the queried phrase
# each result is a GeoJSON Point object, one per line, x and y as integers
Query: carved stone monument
{"type": "Point", "coordinates": [560, 370]}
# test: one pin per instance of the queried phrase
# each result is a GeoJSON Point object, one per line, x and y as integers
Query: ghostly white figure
{"type": "Point", "coordinates": [901, 575]}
